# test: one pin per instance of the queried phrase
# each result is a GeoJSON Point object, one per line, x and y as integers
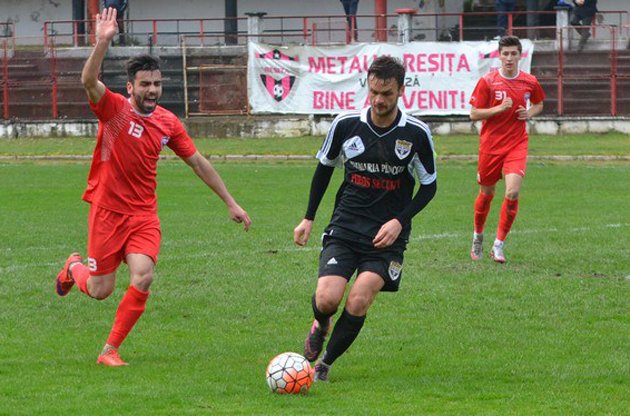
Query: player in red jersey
{"type": "Point", "coordinates": [501, 99]}
{"type": "Point", "coordinates": [123, 224]}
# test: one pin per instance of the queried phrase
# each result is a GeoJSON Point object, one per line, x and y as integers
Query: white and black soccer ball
{"type": "Point", "coordinates": [289, 373]}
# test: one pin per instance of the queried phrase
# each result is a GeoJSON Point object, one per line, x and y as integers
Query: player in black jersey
{"type": "Point", "coordinates": [382, 151]}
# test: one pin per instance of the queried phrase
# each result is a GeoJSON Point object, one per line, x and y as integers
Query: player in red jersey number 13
{"type": "Point", "coordinates": [123, 224]}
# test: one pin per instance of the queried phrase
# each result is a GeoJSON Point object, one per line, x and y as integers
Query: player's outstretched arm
{"type": "Point", "coordinates": [106, 29]}
{"type": "Point", "coordinates": [319, 184]}
{"type": "Point", "coordinates": [203, 168]}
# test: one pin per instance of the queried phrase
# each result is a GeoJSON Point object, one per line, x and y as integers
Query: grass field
{"type": "Point", "coordinates": [611, 144]}
{"type": "Point", "coordinates": [548, 333]}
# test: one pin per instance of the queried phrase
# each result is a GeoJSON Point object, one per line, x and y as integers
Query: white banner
{"type": "Point", "coordinates": [314, 80]}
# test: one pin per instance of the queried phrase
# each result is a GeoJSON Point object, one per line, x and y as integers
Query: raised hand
{"type": "Point", "coordinates": [106, 25]}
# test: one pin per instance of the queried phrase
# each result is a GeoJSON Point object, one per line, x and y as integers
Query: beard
{"type": "Point", "coordinates": [144, 106]}
{"type": "Point", "coordinates": [384, 110]}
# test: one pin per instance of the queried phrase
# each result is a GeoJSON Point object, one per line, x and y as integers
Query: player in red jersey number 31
{"type": "Point", "coordinates": [504, 99]}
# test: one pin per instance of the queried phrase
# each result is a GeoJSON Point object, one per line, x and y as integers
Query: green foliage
{"type": "Point", "coordinates": [548, 333]}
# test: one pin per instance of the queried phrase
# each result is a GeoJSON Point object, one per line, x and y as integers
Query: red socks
{"type": "Point", "coordinates": [506, 218]}
{"type": "Point", "coordinates": [129, 311]}
{"type": "Point", "coordinates": [482, 208]}
{"type": "Point", "coordinates": [80, 275]}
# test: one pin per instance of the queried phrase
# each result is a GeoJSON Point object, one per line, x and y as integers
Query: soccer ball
{"type": "Point", "coordinates": [289, 373]}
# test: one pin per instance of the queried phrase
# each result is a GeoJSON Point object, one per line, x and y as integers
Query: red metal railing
{"type": "Point", "coordinates": [53, 79]}
{"type": "Point", "coordinates": [280, 29]}
{"type": "Point", "coordinates": [315, 30]}
{"type": "Point", "coordinates": [5, 79]}
{"type": "Point", "coordinates": [151, 30]}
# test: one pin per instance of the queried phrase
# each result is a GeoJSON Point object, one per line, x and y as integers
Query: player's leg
{"type": "Point", "coordinates": [509, 208]}
{"type": "Point", "coordinates": [144, 237]}
{"type": "Point", "coordinates": [337, 263]}
{"type": "Point", "coordinates": [349, 324]}
{"type": "Point", "coordinates": [514, 170]}
{"type": "Point", "coordinates": [131, 307]}
{"type": "Point", "coordinates": [325, 301]}
{"type": "Point", "coordinates": [378, 270]}
{"type": "Point", "coordinates": [64, 281]}
{"type": "Point", "coordinates": [105, 241]}
{"type": "Point", "coordinates": [488, 174]}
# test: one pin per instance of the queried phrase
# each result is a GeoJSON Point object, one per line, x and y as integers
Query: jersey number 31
{"type": "Point", "coordinates": [500, 95]}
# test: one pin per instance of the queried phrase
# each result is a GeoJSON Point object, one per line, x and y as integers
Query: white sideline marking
{"type": "Point", "coordinates": [453, 235]}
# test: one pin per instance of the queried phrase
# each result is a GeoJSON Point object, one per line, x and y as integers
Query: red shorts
{"type": "Point", "coordinates": [112, 236]}
{"type": "Point", "coordinates": [492, 168]}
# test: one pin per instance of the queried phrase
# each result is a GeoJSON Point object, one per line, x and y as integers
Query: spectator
{"type": "Point", "coordinates": [120, 6]}
{"type": "Point", "coordinates": [503, 6]}
{"type": "Point", "coordinates": [582, 15]}
{"type": "Point", "coordinates": [350, 7]}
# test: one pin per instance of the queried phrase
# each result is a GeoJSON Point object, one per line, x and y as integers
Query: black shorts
{"type": "Point", "coordinates": [342, 258]}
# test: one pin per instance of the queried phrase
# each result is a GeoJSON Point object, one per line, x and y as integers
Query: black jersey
{"type": "Point", "coordinates": [381, 167]}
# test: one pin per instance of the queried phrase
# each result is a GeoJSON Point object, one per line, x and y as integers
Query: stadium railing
{"type": "Point", "coordinates": [328, 29]}
{"type": "Point", "coordinates": [46, 88]}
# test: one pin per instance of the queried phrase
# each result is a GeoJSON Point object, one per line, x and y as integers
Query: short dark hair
{"type": "Point", "coordinates": [510, 41]}
{"type": "Point", "coordinates": [387, 67]}
{"type": "Point", "coordinates": [141, 63]}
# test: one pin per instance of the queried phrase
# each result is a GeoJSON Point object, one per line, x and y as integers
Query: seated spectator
{"type": "Point", "coordinates": [582, 15]}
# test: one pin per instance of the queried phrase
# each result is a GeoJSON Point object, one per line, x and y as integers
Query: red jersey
{"type": "Point", "coordinates": [503, 132]}
{"type": "Point", "coordinates": [123, 173]}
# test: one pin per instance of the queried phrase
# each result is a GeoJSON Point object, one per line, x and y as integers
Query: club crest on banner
{"type": "Point", "coordinates": [278, 88]}
{"type": "Point", "coordinates": [402, 149]}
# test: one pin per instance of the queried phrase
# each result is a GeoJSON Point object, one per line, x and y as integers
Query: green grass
{"type": "Point", "coordinates": [546, 334]}
{"type": "Point", "coordinates": [614, 144]}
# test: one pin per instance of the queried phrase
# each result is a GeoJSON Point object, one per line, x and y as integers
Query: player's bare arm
{"type": "Point", "coordinates": [477, 114]}
{"type": "Point", "coordinates": [387, 234]}
{"type": "Point", "coordinates": [106, 29]}
{"type": "Point", "coordinates": [302, 232]}
{"type": "Point", "coordinates": [523, 113]}
{"type": "Point", "coordinates": [204, 169]}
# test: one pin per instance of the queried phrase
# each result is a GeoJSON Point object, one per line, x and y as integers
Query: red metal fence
{"type": "Point", "coordinates": [323, 29]}
{"type": "Point", "coordinates": [39, 84]}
